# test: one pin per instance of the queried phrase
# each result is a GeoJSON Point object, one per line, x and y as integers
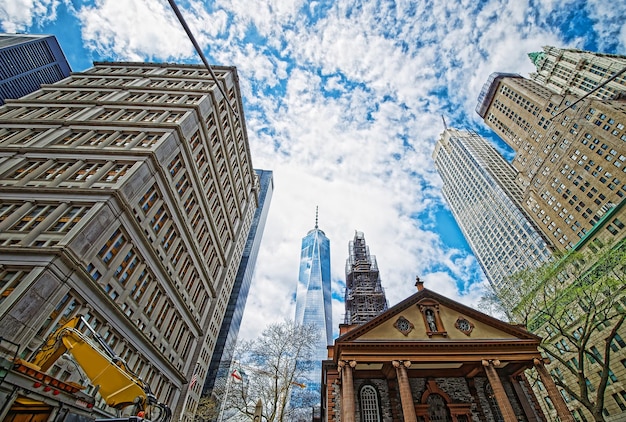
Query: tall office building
{"type": "Point", "coordinates": [313, 305]}
{"type": "Point", "coordinates": [570, 158]}
{"type": "Point", "coordinates": [27, 62]}
{"type": "Point", "coordinates": [569, 153]}
{"type": "Point", "coordinates": [127, 196]}
{"type": "Point", "coordinates": [570, 71]}
{"type": "Point", "coordinates": [364, 297]}
{"type": "Point", "coordinates": [479, 186]}
{"type": "Point", "coordinates": [221, 360]}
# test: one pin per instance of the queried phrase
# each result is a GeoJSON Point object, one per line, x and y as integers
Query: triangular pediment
{"type": "Point", "coordinates": [407, 322]}
{"type": "Point", "coordinates": [438, 337]}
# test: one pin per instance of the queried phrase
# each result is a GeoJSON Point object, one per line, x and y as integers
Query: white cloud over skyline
{"type": "Point", "coordinates": [343, 102]}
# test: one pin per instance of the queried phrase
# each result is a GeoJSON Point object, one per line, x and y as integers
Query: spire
{"type": "Point", "coordinates": [536, 57]}
{"type": "Point", "coordinates": [445, 125]}
{"type": "Point", "coordinates": [316, 216]}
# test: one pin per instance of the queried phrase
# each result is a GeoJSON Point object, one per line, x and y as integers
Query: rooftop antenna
{"type": "Point", "coordinates": [316, 207]}
{"type": "Point", "coordinates": [445, 125]}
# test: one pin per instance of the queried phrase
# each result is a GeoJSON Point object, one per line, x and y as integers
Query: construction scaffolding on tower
{"type": "Point", "coordinates": [364, 296]}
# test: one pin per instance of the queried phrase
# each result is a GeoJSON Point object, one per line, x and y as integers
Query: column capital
{"type": "Point", "coordinates": [541, 362]}
{"type": "Point", "coordinates": [399, 363]}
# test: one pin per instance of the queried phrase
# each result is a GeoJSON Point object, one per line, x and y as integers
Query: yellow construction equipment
{"type": "Point", "coordinates": [118, 386]}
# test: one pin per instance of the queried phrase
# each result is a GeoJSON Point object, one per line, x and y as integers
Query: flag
{"type": "Point", "coordinates": [194, 379]}
{"type": "Point", "coordinates": [235, 374]}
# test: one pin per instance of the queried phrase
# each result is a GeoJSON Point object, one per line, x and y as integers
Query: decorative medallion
{"type": "Point", "coordinates": [403, 325]}
{"type": "Point", "coordinates": [464, 325]}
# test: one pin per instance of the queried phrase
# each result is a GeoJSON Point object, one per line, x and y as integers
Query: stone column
{"type": "Point", "coordinates": [347, 390]}
{"type": "Point", "coordinates": [498, 390]}
{"type": "Point", "coordinates": [557, 399]}
{"type": "Point", "coordinates": [523, 399]}
{"type": "Point", "coordinates": [406, 397]}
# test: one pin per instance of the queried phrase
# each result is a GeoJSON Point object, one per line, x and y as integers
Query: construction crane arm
{"type": "Point", "coordinates": [118, 385]}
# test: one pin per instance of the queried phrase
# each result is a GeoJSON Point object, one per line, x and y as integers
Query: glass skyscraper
{"type": "Point", "coordinates": [27, 61]}
{"type": "Point", "coordinates": [479, 185]}
{"type": "Point", "coordinates": [313, 304]}
{"type": "Point", "coordinates": [221, 360]}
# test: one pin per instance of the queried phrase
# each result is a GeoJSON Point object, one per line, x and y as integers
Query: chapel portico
{"type": "Point", "coordinates": [433, 359]}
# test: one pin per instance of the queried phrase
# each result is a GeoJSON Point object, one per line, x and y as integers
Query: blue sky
{"type": "Point", "coordinates": [343, 101]}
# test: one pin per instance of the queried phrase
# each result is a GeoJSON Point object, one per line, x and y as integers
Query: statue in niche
{"type": "Point", "coordinates": [430, 318]}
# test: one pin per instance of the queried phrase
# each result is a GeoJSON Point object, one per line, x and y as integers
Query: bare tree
{"type": "Point", "coordinates": [577, 304]}
{"type": "Point", "coordinates": [268, 368]}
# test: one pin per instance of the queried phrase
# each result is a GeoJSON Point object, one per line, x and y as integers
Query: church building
{"type": "Point", "coordinates": [433, 359]}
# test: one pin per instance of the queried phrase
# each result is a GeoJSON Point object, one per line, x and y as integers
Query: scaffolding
{"type": "Point", "coordinates": [364, 297]}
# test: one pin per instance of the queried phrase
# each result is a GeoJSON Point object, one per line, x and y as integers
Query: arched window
{"type": "Point", "coordinates": [369, 404]}
{"type": "Point", "coordinates": [437, 409]}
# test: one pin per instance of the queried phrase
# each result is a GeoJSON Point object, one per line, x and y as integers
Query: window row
{"type": "Point", "coordinates": [140, 115]}
{"type": "Point", "coordinates": [49, 218]}
{"type": "Point", "coordinates": [64, 172]}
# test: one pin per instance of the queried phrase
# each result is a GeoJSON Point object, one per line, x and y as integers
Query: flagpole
{"type": "Point", "coordinates": [228, 381]}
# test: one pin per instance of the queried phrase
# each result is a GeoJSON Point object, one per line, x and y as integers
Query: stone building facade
{"type": "Point", "coordinates": [127, 194]}
{"type": "Point", "coordinates": [569, 153]}
{"type": "Point", "coordinates": [432, 359]}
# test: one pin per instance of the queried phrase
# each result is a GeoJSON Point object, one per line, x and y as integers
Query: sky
{"type": "Point", "coordinates": [343, 102]}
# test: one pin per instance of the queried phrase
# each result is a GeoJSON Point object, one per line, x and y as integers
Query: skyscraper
{"type": "Point", "coordinates": [567, 127]}
{"type": "Point", "coordinates": [127, 196]}
{"type": "Point", "coordinates": [578, 72]}
{"type": "Point", "coordinates": [479, 186]}
{"type": "Point", "coordinates": [313, 302]}
{"type": "Point", "coordinates": [223, 354]}
{"type": "Point", "coordinates": [364, 297]}
{"type": "Point", "coordinates": [569, 153]}
{"type": "Point", "coordinates": [27, 62]}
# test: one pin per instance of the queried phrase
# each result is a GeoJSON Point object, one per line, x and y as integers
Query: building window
{"type": "Point", "coordinates": [10, 278]}
{"type": "Point", "coordinates": [86, 171]}
{"type": "Point", "coordinates": [548, 403]}
{"type": "Point", "coordinates": [33, 218]}
{"type": "Point", "coordinates": [619, 401]}
{"type": "Point", "coordinates": [437, 408]}
{"type": "Point", "coordinates": [69, 219]}
{"type": "Point", "coordinates": [112, 246]}
{"type": "Point", "coordinates": [403, 325]}
{"type": "Point", "coordinates": [370, 411]}
{"type": "Point", "coordinates": [149, 198]}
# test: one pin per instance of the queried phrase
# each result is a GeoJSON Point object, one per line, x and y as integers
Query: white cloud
{"type": "Point", "coordinates": [345, 108]}
{"type": "Point", "coordinates": [133, 30]}
{"type": "Point", "coordinates": [18, 15]}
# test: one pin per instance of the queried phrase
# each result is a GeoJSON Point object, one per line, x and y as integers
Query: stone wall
{"type": "Point", "coordinates": [457, 388]}
{"type": "Point", "coordinates": [384, 399]}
